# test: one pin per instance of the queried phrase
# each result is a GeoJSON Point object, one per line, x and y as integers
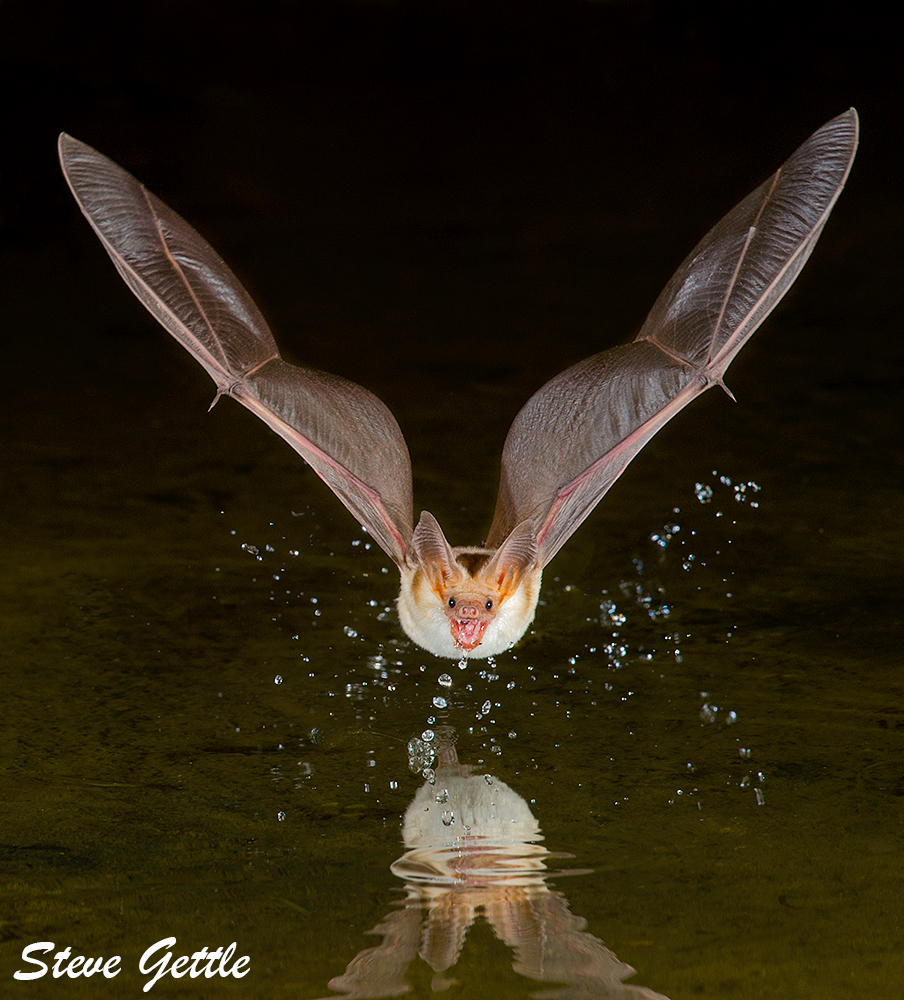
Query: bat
{"type": "Point", "coordinates": [566, 447]}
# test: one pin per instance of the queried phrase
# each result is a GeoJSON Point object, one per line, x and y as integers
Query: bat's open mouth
{"type": "Point", "coordinates": [468, 632]}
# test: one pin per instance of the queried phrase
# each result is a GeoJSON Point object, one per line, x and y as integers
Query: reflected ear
{"type": "Point", "coordinates": [513, 559]}
{"type": "Point", "coordinates": [433, 552]}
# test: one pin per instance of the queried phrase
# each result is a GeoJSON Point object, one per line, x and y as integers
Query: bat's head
{"type": "Point", "coordinates": [468, 602]}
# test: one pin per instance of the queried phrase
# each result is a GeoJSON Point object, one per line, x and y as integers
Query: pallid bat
{"type": "Point", "coordinates": [567, 446]}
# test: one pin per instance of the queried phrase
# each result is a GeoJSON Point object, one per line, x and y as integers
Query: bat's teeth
{"type": "Point", "coordinates": [468, 632]}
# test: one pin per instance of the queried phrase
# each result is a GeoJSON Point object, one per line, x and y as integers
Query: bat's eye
{"type": "Point", "coordinates": [451, 602]}
{"type": "Point", "coordinates": [489, 605]}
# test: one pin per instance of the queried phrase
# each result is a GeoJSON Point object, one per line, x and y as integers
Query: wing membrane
{"type": "Point", "coordinates": [345, 433]}
{"type": "Point", "coordinates": [576, 435]}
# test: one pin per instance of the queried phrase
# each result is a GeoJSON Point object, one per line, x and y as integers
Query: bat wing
{"type": "Point", "coordinates": [576, 435]}
{"type": "Point", "coordinates": [341, 430]}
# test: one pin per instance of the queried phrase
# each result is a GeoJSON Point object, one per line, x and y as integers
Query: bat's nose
{"type": "Point", "coordinates": [467, 611]}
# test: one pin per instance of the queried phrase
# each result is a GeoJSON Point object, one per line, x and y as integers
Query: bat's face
{"type": "Point", "coordinates": [464, 613]}
{"type": "Point", "coordinates": [468, 601]}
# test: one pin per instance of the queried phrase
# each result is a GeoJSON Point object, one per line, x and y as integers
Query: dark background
{"type": "Point", "coordinates": [440, 197]}
{"type": "Point", "coordinates": [606, 125]}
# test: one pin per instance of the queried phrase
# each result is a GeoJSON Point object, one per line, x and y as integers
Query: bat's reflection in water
{"type": "Point", "coordinates": [474, 851]}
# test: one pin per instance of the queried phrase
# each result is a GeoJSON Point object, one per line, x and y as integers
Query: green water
{"type": "Point", "coordinates": [205, 743]}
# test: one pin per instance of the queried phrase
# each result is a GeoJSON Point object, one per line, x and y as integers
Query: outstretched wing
{"type": "Point", "coordinates": [576, 435]}
{"type": "Point", "coordinates": [341, 430]}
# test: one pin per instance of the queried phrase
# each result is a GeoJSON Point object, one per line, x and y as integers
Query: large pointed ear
{"type": "Point", "coordinates": [433, 552]}
{"type": "Point", "coordinates": [517, 555]}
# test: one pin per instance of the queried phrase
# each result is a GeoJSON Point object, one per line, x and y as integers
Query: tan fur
{"type": "Point", "coordinates": [424, 616]}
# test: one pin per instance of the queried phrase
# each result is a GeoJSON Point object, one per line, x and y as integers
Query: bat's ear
{"type": "Point", "coordinates": [433, 552]}
{"type": "Point", "coordinates": [513, 559]}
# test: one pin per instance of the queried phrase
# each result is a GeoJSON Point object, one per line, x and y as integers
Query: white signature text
{"type": "Point", "coordinates": [157, 962]}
